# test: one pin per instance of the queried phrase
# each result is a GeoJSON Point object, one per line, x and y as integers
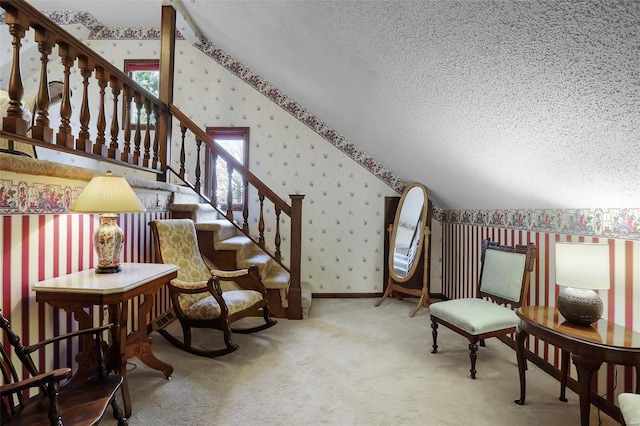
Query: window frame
{"type": "Point", "coordinates": [231, 133]}
{"type": "Point", "coordinates": [131, 66]}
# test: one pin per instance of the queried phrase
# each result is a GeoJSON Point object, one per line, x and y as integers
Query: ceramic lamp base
{"type": "Point", "coordinates": [579, 306]}
{"type": "Point", "coordinates": [108, 239]}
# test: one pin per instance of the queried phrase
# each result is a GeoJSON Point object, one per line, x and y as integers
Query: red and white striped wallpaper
{"type": "Point", "coordinates": [38, 247]}
{"type": "Point", "coordinates": [461, 269]}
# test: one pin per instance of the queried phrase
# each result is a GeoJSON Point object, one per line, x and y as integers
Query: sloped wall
{"type": "Point", "coordinates": [343, 208]}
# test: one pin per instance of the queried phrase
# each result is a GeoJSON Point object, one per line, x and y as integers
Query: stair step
{"type": "Point", "coordinates": [196, 212]}
{"type": "Point", "coordinates": [262, 260]}
{"type": "Point", "coordinates": [222, 228]}
{"type": "Point", "coordinates": [242, 244]}
{"type": "Point", "coordinates": [306, 298]}
{"type": "Point", "coordinates": [278, 277]}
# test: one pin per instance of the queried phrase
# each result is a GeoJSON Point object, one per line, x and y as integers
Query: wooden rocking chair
{"type": "Point", "coordinates": [197, 294]}
{"type": "Point", "coordinates": [82, 401]}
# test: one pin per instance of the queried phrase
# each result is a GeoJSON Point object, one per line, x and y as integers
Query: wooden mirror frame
{"type": "Point", "coordinates": [396, 281]}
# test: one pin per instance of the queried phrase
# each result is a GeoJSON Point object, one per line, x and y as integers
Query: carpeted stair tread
{"type": "Point", "coordinates": [222, 229]}
{"type": "Point", "coordinates": [258, 258]}
{"type": "Point", "coordinates": [278, 277]}
{"type": "Point", "coordinates": [243, 246]}
{"type": "Point", "coordinates": [236, 242]}
{"type": "Point", "coordinates": [197, 212]}
{"type": "Point", "coordinates": [306, 298]}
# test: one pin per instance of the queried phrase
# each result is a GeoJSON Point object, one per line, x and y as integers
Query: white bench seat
{"type": "Point", "coordinates": [475, 316]}
{"type": "Point", "coordinates": [630, 408]}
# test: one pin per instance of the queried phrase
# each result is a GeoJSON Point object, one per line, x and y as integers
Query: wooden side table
{"type": "Point", "coordinates": [83, 289]}
{"type": "Point", "coordinates": [589, 347]}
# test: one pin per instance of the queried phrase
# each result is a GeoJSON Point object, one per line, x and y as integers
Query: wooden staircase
{"type": "Point", "coordinates": [148, 148]}
{"type": "Point", "coordinates": [225, 247]}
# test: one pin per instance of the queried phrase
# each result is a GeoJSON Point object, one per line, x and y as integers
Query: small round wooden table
{"type": "Point", "coordinates": [589, 347]}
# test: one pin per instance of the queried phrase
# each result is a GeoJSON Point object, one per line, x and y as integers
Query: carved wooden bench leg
{"type": "Point", "coordinates": [473, 348]}
{"type": "Point", "coordinates": [434, 333]}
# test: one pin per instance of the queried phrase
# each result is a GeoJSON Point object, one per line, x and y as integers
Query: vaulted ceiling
{"type": "Point", "coordinates": [491, 104]}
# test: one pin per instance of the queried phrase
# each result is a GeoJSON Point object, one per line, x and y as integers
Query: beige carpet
{"type": "Point", "coordinates": [348, 364]}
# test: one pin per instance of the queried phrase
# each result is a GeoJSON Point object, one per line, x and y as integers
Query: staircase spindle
{"type": "Point", "coordinates": [101, 124]}
{"type": "Point", "coordinates": [137, 139]}
{"type": "Point", "coordinates": [68, 56]}
{"type": "Point", "coordinates": [127, 155]}
{"type": "Point", "coordinates": [183, 131]}
{"type": "Point", "coordinates": [261, 222]}
{"type": "Point", "coordinates": [278, 238]}
{"type": "Point", "coordinates": [245, 207]}
{"type": "Point", "coordinates": [198, 147]}
{"type": "Point", "coordinates": [41, 129]}
{"type": "Point", "coordinates": [18, 24]}
{"type": "Point", "coordinates": [116, 87]}
{"type": "Point", "coordinates": [214, 178]}
{"type": "Point", "coordinates": [86, 69]}
{"type": "Point", "coordinates": [147, 134]}
{"type": "Point", "coordinates": [229, 191]}
{"type": "Point", "coordinates": [155, 164]}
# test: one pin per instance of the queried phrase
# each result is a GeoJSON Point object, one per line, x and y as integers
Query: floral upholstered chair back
{"type": "Point", "coordinates": [179, 245]}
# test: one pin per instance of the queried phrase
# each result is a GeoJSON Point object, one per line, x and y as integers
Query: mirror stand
{"type": "Point", "coordinates": [408, 247]}
{"type": "Point", "coordinates": [422, 293]}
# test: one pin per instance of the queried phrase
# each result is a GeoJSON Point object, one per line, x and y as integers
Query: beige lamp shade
{"type": "Point", "coordinates": [107, 194]}
{"type": "Point", "coordinates": [582, 265]}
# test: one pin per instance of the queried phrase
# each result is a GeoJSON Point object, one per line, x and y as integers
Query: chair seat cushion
{"type": "Point", "coordinates": [630, 408]}
{"type": "Point", "coordinates": [475, 316]}
{"type": "Point", "coordinates": [236, 300]}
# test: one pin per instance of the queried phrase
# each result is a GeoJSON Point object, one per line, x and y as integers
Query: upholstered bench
{"type": "Point", "coordinates": [630, 408]}
{"type": "Point", "coordinates": [504, 280]}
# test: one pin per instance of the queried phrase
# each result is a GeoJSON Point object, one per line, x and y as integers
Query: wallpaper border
{"type": "Point", "coordinates": [606, 223]}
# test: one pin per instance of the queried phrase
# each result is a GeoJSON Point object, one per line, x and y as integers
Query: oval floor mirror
{"type": "Point", "coordinates": [409, 245]}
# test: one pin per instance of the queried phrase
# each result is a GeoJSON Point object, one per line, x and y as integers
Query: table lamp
{"type": "Point", "coordinates": [581, 268]}
{"type": "Point", "coordinates": [107, 195]}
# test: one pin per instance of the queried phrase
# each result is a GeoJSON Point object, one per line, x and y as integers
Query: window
{"type": "Point", "coordinates": [145, 72]}
{"type": "Point", "coordinates": [235, 140]}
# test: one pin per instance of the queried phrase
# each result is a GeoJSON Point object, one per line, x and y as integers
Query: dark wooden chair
{"type": "Point", "coordinates": [82, 400]}
{"type": "Point", "coordinates": [504, 280]}
{"type": "Point", "coordinates": [197, 293]}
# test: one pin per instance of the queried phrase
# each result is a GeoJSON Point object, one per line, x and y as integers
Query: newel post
{"type": "Point", "coordinates": [295, 290]}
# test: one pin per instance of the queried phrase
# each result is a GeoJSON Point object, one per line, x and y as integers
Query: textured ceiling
{"type": "Point", "coordinates": [490, 104]}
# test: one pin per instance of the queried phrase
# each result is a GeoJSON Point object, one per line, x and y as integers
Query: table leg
{"type": "Point", "coordinates": [87, 354]}
{"type": "Point", "coordinates": [586, 369]}
{"type": "Point", "coordinates": [139, 344]}
{"type": "Point", "coordinates": [118, 313]}
{"type": "Point", "coordinates": [521, 336]}
{"type": "Point", "coordinates": [564, 374]}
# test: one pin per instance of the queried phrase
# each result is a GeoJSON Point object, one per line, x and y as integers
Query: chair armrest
{"type": "Point", "coordinates": [247, 279]}
{"type": "Point", "coordinates": [94, 331]}
{"type": "Point", "coordinates": [188, 287]}
{"type": "Point", "coordinates": [35, 381]}
{"type": "Point", "coordinates": [229, 274]}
